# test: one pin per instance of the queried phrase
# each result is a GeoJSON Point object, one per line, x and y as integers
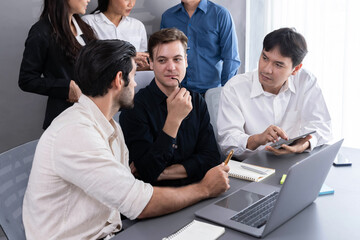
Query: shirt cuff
{"type": "Point", "coordinates": [313, 143]}
{"type": "Point", "coordinates": [137, 199]}
{"type": "Point", "coordinates": [167, 143]}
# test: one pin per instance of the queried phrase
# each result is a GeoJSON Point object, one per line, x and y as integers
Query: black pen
{"type": "Point", "coordinates": [179, 84]}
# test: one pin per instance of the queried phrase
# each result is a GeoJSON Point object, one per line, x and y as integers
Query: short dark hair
{"type": "Point", "coordinates": [166, 35]}
{"type": "Point", "coordinates": [291, 44]}
{"type": "Point", "coordinates": [99, 62]}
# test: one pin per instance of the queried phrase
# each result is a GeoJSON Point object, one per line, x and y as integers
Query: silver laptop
{"type": "Point", "coordinates": [258, 208]}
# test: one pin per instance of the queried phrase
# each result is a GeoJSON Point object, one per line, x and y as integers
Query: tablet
{"type": "Point", "coordinates": [278, 144]}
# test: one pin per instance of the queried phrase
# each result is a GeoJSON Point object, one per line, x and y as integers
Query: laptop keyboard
{"type": "Point", "coordinates": [257, 214]}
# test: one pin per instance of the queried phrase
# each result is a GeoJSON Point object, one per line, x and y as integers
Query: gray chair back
{"type": "Point", "coordinates": [142, 79]}
{"type": "Point", "coordinates": [15, 166]}
{"type": "Point", "coordinates": [212, 98]}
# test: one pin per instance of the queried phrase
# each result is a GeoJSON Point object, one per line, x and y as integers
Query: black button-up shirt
{"type": "Point", "coordinates": [152, 150]}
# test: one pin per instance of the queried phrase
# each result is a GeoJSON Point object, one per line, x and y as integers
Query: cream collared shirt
{"type": "Point", "coordinates": [129, 29]}
{"type": "Point", "coordinates": [246, 109]}
{"type": "Point", "coordinates": [80, 180]}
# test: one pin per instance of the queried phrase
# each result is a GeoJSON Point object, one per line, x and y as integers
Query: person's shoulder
{"type": "Point", "coordinates": [195, 95]}
{"type": "Point", "coordinates": [240, 84]}
{"type": "Point", "coordinates": [136, 22]}
{"type": "Point", "coordinates": [198, 101]}
{"type": "Point", "coordinates": [219, 9]}
{"type": "Point", "coordinates": [304, 81]}
{"type": "Point", "coordinates": [89, 18]}
{"type": "Point", "coordinates": [304, 78]}
{"type": "Point", "coordinates": [144, 98]}
{"type": "Point", "coordinates": [40, 31]}
{"type": "Point", "coordinates": [172, 9]}
{"type": "Point", "coordinates": [142, 104]}
{"type": "Point", "coordinates": [304, 73]}
{"type": "Point", "coordinates": [241, 79]}
{"type": "Point", "coordinates": [43, 25]}
{"type": "Point", "coordinates": [71, 118]}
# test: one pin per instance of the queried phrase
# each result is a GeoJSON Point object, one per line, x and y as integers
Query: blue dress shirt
{"type": "Point", "coordinates": [213, 56]}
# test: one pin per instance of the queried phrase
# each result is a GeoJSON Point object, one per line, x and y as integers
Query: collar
{"type": "Point", "coordinates": [202, 6]}
{"type": "Point", "coordinates": [108, 128]}
{"type": "Point", "coordinates": [100, 17]}
{"type": "Point", "coordinates": [160, 96]}
{"type": "Point", "coordinates": [291, 85]}
{"type": "Point", "coordinates": [257, 89]}
{"type": "Point", "coordinates": [78, 29]}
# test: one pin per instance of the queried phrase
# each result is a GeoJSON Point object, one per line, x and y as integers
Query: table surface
{"type": "Point", "coordinates": [329, 217]}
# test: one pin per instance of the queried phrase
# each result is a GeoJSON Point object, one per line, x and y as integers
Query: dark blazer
{"type": "Point", "coordinates": [46, 70]}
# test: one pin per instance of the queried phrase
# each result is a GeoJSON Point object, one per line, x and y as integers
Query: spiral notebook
{"type": "Point", "coordinates": [197, 230]}
{"type": "Point", "coordinates": [248, 171]}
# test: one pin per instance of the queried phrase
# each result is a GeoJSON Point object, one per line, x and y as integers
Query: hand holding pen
{"type": "Point", "coordinates": [229, 157]}
{"type": "Point", "coordinates": [243, 166]}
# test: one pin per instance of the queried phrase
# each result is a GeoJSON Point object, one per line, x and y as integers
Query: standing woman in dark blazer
{"type": "Point", "coordinates": [50, 51]}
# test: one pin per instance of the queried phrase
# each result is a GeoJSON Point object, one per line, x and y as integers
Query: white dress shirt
{"type": "Point", "coordinates": [80, 180]}
{"type": "Point", "coordinates": [129, 29]}
{"type": "Point", "coordinates": [246, 109]}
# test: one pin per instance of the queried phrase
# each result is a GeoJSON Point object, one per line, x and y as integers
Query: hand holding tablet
{"type": "Point", "coordinates": [278, 144]}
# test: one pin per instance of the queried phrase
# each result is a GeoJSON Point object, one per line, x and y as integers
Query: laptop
{"type": "Point", "coordinates": [257, 208]}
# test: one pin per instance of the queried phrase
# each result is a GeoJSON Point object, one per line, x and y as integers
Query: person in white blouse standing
{"type": "Point", "coordinates": [278, 100]}
{"type": "Point", "coordinates": [110, 20]}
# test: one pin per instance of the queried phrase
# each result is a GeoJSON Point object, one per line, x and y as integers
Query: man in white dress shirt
{"type": "Point", "coordinates": [80, 180]}
{"type": "Point", "coordinates": [279, 100]}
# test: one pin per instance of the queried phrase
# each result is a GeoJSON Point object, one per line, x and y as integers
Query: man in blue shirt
{"type": "Point", "coordinates": [213, 55]}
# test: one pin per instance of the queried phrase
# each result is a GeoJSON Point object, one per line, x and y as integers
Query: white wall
{"type": "Point", "coordinates": [22, 113]}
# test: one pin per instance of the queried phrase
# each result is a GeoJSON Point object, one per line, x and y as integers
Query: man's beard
{"type": "Point", "coordinates": [126, 99]}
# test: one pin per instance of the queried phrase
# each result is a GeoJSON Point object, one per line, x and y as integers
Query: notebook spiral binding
{"type": "Point", "coordinates": [178, 232]}
{"type": "Point", "coordinates": [242, 177]}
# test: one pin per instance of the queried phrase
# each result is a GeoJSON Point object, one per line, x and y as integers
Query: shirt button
{"type": "Point", "coordinates": [174, 146]}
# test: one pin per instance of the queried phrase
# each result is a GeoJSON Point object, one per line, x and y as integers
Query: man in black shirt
{"type": "Point", "coordinates": [168, 132]}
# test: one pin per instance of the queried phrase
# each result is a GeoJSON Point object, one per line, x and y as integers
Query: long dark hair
{"type": "Point", "coordinates": [102, 6]}
{"type": "Point", "coordinates": [58, 13]}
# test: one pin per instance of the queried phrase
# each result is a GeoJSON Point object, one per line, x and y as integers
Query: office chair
{"type": "Point", "coordinates": [142, 79]}
{"type": "Point", "coordinates": [212, 98]}
{"type": "Point", "coordinates": [15, 166]}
